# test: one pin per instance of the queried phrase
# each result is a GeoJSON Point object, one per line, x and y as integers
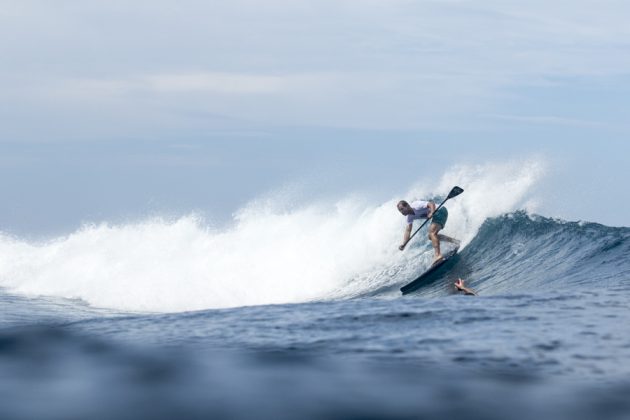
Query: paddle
{"type": "Point", "coordinates": [454, 193]}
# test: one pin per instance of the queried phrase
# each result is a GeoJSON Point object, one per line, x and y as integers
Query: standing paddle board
{"type": "Point", "coordinates": [408, 288]}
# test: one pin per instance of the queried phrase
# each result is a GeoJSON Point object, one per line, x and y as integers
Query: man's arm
{"type": "Point", "coordinates": [406, 236]}
{"type": "Point", "coordinates": [432, 208]}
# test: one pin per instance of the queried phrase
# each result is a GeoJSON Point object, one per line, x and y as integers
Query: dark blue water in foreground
{"type": "Point", "coordinates": [548, 337]}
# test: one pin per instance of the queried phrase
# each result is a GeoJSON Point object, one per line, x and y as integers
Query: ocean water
{"type": "Point", "coordinates": [295, 312]}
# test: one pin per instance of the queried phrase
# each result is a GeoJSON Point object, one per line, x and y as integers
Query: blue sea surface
{"type": "Point", "coordinates": [547, 337]}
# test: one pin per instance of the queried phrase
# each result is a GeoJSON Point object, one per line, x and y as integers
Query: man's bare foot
{"type": "Point", "coordinates": [437, 259]}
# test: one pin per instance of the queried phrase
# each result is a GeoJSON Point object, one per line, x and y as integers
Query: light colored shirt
{"type": "Point", "coordinates": [421, 210]}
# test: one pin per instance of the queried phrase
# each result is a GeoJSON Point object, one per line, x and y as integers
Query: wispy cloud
{"type": "Point", "coordinates": [547, 119]}
{"type": "Point", "coordinates": [228, 83]}
{"type": "Point", "coordinates": [205, 83]}
{"type": "Point", "coordinates": [353, 63]}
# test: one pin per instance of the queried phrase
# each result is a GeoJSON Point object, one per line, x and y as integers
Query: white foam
{"type": "Point", "coordinates": [270, 254]}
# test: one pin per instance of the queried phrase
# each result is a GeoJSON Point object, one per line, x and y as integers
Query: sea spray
{"type": "Point", "coordinates": [310, 251]}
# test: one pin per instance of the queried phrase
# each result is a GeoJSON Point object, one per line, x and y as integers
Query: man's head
{"type": "Point", "coordinates": [404, 208]}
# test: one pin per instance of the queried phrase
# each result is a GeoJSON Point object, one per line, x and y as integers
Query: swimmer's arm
{"type": "Point", "coordinates": [459, 285]}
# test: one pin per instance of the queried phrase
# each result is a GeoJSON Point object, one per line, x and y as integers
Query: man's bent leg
{"type": "Point", "coordinates": [435, 240]}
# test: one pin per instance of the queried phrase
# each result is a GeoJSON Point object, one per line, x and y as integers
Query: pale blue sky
{"type": "Point", "coordinates": [112, 110]}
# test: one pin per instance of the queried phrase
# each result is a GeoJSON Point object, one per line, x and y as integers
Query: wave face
{"type": "Point", "coordinates": [277, 251]}
{"type": "Point", "coordinates": [520, 252]}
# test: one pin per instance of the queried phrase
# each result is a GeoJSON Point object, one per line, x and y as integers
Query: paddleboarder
{"type": "Point", "coordinates": [426, 210]}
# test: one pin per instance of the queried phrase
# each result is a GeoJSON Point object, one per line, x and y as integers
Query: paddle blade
{"type": "Point", "coordinates": [455, 192]}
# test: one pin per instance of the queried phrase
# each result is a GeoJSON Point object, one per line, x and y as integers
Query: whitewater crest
{"type": "Point", "coordinates": [265, 256]}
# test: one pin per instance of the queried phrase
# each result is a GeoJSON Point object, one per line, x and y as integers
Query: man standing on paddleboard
{"type": "Point", "coordinates": [425, 210]}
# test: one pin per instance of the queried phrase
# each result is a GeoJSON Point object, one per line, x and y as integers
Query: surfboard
{"type": "Point", "coordinates": [408, 288]}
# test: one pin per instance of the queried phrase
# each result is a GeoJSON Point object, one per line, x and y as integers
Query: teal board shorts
{"type": "Point", "coordinates": [440, 217]}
